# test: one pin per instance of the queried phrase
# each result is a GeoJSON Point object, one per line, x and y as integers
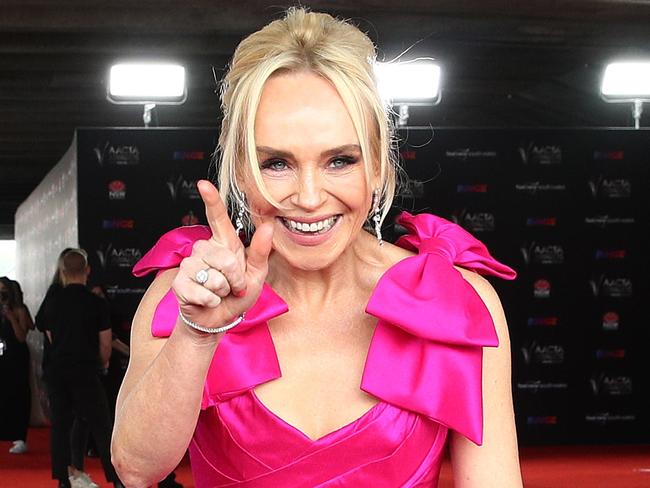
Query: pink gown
{"type": "Point", "coordinates": [423, 365]}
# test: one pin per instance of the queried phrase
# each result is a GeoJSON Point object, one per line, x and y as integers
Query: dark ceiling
{"type": "Point", "coordinates": [508, 63]}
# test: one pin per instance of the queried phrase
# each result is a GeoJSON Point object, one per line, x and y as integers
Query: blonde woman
{"type": "Point", "coordinates": [319, 355]}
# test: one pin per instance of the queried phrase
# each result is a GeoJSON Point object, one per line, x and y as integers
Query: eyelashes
{"type": "Point", "coordinates": [336, 163]}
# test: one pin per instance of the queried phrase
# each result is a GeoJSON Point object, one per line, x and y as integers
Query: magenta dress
{"type": "Point", "coordinates": [423, 365]}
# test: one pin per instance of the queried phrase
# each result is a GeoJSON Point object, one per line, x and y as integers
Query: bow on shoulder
{"type": "Point", "coordinates": [426, 354]}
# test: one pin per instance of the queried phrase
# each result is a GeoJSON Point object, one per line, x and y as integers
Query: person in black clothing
{"type": "Point", "coordinates": [79, 331]}
{"type": "Point", "coordinates": [15, 400]}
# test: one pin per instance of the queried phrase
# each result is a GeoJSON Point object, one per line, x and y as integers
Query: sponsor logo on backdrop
{"type": "Point", "coordinates": [117, 290]}
{"type": "Point", "coordinates": [602, 187]}
{"type": "Point", "coordinates": [611, 287]}
{"type": "Point", "coordinates": [189, 219]}
{"type": "Point", "coordinates": [181, 187]}
{"type": "Point", "coordinates": [474, 188]}
{"type": "Point", "coordinates": [532, 153]}
{"type": "Point", "coordinates": [611, 321]}
{"type": "Point", "coordinates": [610, 254]}
{"type": "Point", "coordinates": [466, 153]}
{"type": "Point", "coordinates": [541, 222]}
{"type": "Point", "coordinates": [617, 155]}
{"type": "Point", "coordinates": [118, 257]}
{"type": "Point", "coordinates": [108, 154]}
{"type": "Point", "coordinates": [474, 221]}
{"type": "Point", "coordinates": [116, 190]}
{"type": "Point", "coordinates": [618, 353]}
{"type": "Point", "coordinates": [545, 354]}
{"type": "Point", "coordinates": [189, 155]}
{"type": "Point", "coordinates": [542, 288]}
{"type": "Point", "coordinates": [412, 189]}
{"type": "Point", "coordinates": [126, 224]}
{"type": "Point", "coordinates": [535, 386]}
{"type": "Point", "coordinates": [610, 385]}
{"type": "Point", "coordinates": [535, 253]}
{"type": "Point", "coordinates": [541, 420]}
{"type": "Point", "coordinates": [538, 187]}
{"type": "Point", "coordinates": [603, 221]}
{"type": "Point", "coordinates": [408, 155]}
{"type": "Point", "coordinates": [604, 418]}
{"type": "Point", "coordinates": [547, 321]}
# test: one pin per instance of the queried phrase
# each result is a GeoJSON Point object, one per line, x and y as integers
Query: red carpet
{"type": "Point", "coordinates": [542, 467]}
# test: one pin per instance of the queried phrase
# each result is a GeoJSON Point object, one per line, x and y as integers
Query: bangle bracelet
{"type": "Point", "coordinates": [211, 330]}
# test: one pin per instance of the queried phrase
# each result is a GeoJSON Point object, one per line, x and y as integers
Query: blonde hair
{"type": "Point", "coordinates": [331, 48]}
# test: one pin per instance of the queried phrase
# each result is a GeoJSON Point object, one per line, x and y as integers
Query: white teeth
{"type": "Point", "coordinates": [322, 226]}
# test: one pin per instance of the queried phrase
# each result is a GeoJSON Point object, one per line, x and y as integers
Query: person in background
{"type": "Point", "coordinates": [319, 355]}
{"type": "Point", "coordinates": [78, 327]}
{"type": "Point", "coordinates": [15, 399]}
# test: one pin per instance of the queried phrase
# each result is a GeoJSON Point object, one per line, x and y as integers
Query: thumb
{"type": "Point", "coordinates": [257, 254]}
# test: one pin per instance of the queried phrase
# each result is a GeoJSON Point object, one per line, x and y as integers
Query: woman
{"type": "Point", "coordinates": [15, 402]}
{"type": "Point", "coordinates": [345, 362]}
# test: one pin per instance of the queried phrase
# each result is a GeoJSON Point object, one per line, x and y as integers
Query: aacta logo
{"type": "Point", "coordinates": [412, 189]}
{"type": "Point", "coordinates": [116, 190]}
{"type": "Point", "coordinates": [610, 385]}
{"type": "Point", "coordinates": [531, 153]}
{"type": "Point", "coordinates": [611, 321]}
{"type": "Point", "coordinates": [615, 188]}
{"type": "Point", "coordinates": [182, 188]}
{"type": "Point", "coordinates": [474, 221]}
{"type": "Point", "coordinates": [476, 188]}
{"type": "Point", "coordinates": [542, 288]}
{"type": "Point", "coordinates": [542, 254]}
{"type": "Point", "coordinates": [117, 155]}
{"type": "Point", "coordinates": [549, 354]}
{"type": "Point", "coordinates": [125, 257]}
{"type": "Point", "coordinates": [604, 286]}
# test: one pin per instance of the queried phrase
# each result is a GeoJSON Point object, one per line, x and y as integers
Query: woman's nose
{"type": "Point", "coordinates": [309, 193]}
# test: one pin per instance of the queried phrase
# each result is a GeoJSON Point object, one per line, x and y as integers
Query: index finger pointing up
{"type": "Point", "coordinates": [217, 215]}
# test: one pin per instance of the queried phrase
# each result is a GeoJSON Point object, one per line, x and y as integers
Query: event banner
{"type": "Point", "coordinates": [566, 208]}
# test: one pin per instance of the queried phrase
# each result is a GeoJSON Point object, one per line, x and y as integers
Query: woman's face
{"type": "Point", "coordinates": [311, 163]}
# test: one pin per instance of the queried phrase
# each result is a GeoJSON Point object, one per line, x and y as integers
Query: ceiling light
{"type": "Point", "coordinates": [409, 83]}
{"type": "Point", "coordinates": [148, 84]}
{"type": "Point", "coordinates": [627, 82]}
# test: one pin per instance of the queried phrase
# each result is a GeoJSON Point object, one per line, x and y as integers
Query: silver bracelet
{"type": "Point", "coordinates": [211, 330]}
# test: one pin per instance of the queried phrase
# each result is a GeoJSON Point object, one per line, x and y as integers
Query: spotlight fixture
{"type": "Point", "coordinates": [148, 84]}
{"type": "Point", "coordinates": [409, 83]}
{"type": "Point", "coordinates": [627, 82]}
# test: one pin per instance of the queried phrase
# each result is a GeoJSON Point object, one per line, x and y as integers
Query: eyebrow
{"type": "Point", "coordinates": [278, 153]}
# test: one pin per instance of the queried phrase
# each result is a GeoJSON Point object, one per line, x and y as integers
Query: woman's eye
{"type": "Point", "coordinates": [274, 165]}
{"type": "Point", "coordinates": [342, 162]}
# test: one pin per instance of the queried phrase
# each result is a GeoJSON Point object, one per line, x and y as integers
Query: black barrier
{"type": "Point", "coordinates": [567, 208]}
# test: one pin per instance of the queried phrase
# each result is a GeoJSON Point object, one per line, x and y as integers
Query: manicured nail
{"type": "Point", "coordinates": [241, 293]}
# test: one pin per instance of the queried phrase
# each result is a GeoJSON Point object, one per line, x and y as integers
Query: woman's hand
{"type": "Point", "coordinates": [235, 275]}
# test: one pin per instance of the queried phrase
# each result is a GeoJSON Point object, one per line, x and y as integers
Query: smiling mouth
{"type": "Point", "coordinates": [313, 228]}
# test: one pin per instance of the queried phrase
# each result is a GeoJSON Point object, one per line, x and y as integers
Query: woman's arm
{"type": "Point", "coordinates": [496, 462]}
{"type": "Point", "coordinates": [159, 401]}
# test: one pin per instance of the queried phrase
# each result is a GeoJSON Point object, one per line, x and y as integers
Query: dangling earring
{"type": "Point", "coordinates": [239, 220]}
{"type": "Point", "coordinates": [376, 215]}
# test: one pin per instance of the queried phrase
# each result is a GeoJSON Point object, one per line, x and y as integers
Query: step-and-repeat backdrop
{"type": "Point", "coordinates": [567, 208]}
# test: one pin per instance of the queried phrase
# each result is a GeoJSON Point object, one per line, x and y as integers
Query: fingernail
{"type": "Point", "coordinates": [241, 293]}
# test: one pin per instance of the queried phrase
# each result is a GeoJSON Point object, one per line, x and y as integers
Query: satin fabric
{"type": "Point", "coordinates": [423, 364]}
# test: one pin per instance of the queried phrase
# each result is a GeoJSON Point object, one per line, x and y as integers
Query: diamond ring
{"type": "Point", "coordinates": [201, 276]}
